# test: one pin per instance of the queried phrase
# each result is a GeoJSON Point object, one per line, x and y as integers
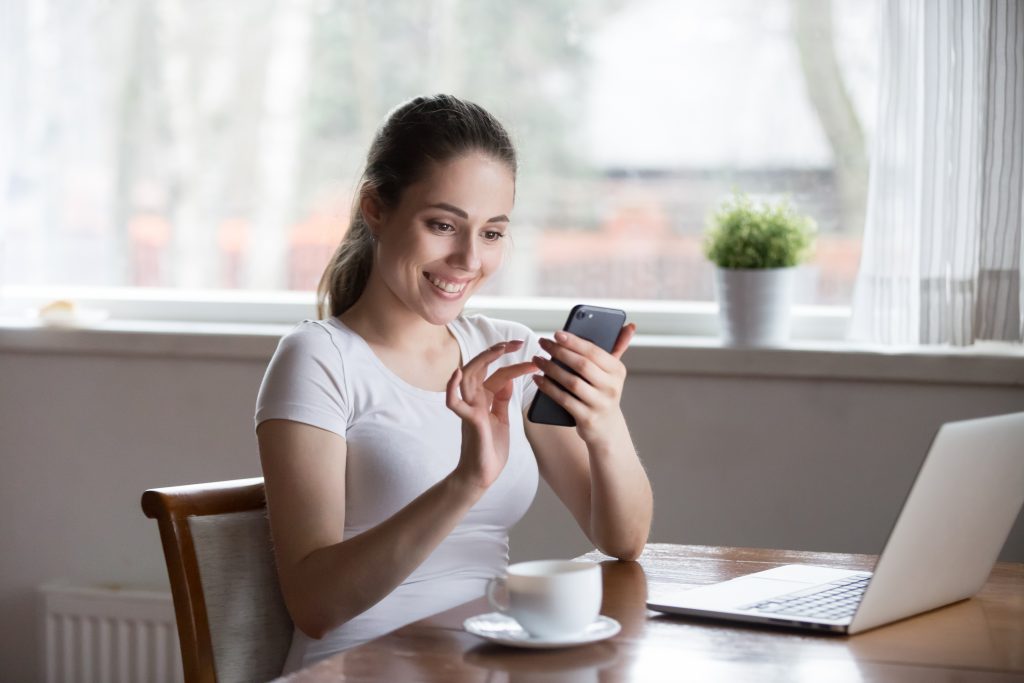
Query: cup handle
{"type": "Point", "coordinates": [492, 584]}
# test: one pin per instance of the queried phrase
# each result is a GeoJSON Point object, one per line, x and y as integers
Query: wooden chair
{"type": "Point", "coordinates": [232, 621]}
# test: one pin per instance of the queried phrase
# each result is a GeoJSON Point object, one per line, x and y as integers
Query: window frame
{"type": "Point", "coordinates": [697, 319]}
{"type": "Point", "coordinates": [677, 339]}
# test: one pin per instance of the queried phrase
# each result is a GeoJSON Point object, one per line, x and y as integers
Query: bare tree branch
{"type": "Point", "coordinates": [812, 30]}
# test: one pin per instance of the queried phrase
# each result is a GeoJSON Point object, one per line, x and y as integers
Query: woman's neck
{"type": "Point", "coordinates": [382, 320]}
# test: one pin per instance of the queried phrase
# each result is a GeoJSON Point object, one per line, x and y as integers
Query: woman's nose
{"type": "Point", "coordinates": [466, 255]}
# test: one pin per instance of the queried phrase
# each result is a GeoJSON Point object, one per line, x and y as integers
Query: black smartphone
{"type": "Point", "coordinates": [595, 324]}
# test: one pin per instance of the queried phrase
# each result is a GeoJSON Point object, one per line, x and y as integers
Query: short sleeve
{"type": "Point", "coordinates": [305, 381]}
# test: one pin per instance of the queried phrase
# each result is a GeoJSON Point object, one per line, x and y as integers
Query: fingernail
{"type": "Point", "coordinates": [538, 360]}
{"type": "Point", "coordinates": [544, 342]}
{"type": "Point", "coordinates": [537, 378]}
{"type": "Point", "coordinates": [561, 336]}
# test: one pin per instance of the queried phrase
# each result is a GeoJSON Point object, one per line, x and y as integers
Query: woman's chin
{"type": "Point", "coordinates": [442, 316]}
{"type": "Point", "coordinates": [441, 310]}
{"type": "Point", "coordinates": [438, 312]}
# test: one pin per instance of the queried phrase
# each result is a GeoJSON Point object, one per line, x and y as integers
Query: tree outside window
{"type": "Point", "coordinates": [199, 145]}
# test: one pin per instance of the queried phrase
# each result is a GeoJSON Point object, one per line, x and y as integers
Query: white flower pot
{"type": "Point", "coordinates": [754, 305]}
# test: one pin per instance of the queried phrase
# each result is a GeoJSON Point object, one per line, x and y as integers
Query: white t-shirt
{"type": "Point", "coordinates": [401, 440]}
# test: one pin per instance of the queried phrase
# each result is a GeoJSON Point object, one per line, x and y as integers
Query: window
{"type": "Point", "coordinates": [199, 145]}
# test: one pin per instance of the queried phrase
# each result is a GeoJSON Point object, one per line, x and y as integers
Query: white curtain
{"type": "Point", "coordinates": [942, 251]}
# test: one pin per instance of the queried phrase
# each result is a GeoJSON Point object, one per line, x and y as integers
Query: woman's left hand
{"type": "Point", "coordinates": [593, 395]}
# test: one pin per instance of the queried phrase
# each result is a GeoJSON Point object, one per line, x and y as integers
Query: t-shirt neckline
{"type": "Point", "coordinates": [435, 396]}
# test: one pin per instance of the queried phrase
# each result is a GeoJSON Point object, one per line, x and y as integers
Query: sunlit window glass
{"type": "Point", "coordinates": [205, 145]}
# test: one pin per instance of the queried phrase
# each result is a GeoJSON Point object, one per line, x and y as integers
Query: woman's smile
{"type": "Point", "coordinates": [452, 288]}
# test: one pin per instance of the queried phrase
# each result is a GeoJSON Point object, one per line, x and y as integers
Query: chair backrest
{"type": "Point", "coordinates": [232, 621]}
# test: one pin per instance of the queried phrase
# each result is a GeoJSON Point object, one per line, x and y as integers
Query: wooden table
{"type": "Point", "coordinates": [981, 639]}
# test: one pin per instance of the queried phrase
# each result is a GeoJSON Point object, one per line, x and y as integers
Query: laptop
{"type": "Point", "coordinates": [946, 539]}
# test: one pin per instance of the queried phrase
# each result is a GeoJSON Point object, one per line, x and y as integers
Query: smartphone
{"type": "Point", "coordinates": [595, 324]}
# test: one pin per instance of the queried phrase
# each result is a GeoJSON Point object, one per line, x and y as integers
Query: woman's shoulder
{"type": "Point", "coordinates": [319, 332]}
{"type": "Point", "coordinates": [306, 379]}
{"type": "Point", "coordinates": [316, 338]}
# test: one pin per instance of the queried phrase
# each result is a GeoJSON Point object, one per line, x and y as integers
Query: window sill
{"type": "Point", "coordinates": [982, 364]}
{"type": "Point", "coordinates": [683, 318]}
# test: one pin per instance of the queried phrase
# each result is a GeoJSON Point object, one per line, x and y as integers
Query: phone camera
{"type": "Point", "coordinates": [580, 315]}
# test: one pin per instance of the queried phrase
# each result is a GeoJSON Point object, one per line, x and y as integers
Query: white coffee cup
{"type": "Point", "coordinates": [550, 598]}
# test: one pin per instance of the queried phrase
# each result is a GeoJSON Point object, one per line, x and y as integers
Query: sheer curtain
{"type": "Point", "coordinates": [942, 251]}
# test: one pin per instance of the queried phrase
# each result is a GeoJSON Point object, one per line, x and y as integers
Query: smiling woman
{"type": "Point", "coordinates": [392, 435]}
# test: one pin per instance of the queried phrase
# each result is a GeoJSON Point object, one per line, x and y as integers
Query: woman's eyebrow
{"type": "Point", "coordinates": [462, 214]}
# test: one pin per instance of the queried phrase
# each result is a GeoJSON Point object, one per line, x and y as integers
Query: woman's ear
{"type": "Point", "coordinates": [372, 209]}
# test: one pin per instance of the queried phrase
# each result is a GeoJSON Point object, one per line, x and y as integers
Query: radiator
{"type": "Point", "coordinates": [109, 635]}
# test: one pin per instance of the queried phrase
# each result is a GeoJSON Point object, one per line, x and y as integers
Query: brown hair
{"type": "Point", "coordinates": [422, 130]}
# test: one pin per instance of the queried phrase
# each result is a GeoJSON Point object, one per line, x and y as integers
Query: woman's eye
{"type": "Point", "coordinates": [493, 235]}
{"type": "Point", "coordinates": [442, 227]}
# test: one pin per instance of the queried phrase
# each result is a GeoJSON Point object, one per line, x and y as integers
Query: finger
{"type": "Point", "coordinates": [585, 348]}
{"type": "Point", "coordinates": [560, 396]}
{"type": "Point", "coordinates": [473, 372]}
{"type": "Point", "coordinates": [469, 386]}
{"type": "Point", "coordinates": [504, 392]}
{"type": "Point", "coordinates": [476, 368]}
{"type": "Point", "coordinates": [499, 404]}
{"type": "Point", "coordinates": [508, 373]}
{"type": "Point", "coordinates": [575, 384]}
{"type": "Point", "coordinates": [489, 355]}
{"type": "Point", "coordinates": [452, 399]}
{"type": "Point", "coordinates": [578, 363]}
{"type": "Point", "coordinates": [625, 336]}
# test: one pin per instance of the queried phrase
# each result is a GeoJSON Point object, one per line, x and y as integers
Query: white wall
{"type": "Point", "coordinates": [757, 461]}
{"type": "Point", "coordinates": [809, 465]}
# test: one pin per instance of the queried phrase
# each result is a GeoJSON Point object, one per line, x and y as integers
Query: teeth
{"type": "Point", "coordinates": [449, 287]}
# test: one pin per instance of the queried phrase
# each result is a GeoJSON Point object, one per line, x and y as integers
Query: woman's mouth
{"type": "Point", "coordinates": [445, 286]}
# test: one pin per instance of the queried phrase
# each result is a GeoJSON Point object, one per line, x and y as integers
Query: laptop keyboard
{"type": "Point", "coordinates": [835, 600]}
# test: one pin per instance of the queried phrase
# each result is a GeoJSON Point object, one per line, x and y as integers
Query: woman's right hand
{"type": "Point", "coordinates": [482, 403]}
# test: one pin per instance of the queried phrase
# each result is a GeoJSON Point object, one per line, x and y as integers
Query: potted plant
{"type": "Point", "coordinates": [756, 248]}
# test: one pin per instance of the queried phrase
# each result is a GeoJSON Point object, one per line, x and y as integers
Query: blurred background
{"type": "Point", "coordinates": [216, 145]}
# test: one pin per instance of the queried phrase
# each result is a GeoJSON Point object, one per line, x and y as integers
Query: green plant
{"type": "Point", "coordinates": [742, 234]}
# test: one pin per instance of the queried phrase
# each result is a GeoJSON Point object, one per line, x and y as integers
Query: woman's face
{"type": "Point", "coordinates": [446, 236]}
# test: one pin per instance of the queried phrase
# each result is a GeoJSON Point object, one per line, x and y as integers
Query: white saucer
{"type": "Point", "coordinates": [499, 628]}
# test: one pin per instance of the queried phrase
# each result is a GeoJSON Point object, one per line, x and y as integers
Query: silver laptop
{"type": "Point", "coordinates": [953, 524]}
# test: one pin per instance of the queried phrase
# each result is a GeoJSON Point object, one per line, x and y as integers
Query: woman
{"type": "Point", "coordinates": [391, 433]}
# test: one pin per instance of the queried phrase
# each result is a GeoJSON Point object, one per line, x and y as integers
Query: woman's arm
{"type": "Point", "coordinates": [326, 580]}
{"type": "Point", "coordinates": [594, 469]}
